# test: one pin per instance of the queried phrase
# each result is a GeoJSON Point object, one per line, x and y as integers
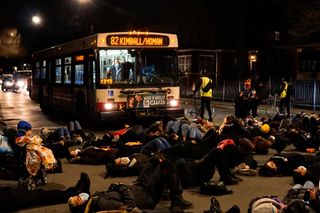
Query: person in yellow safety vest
{"type": "Point", "coordinates": [284, 98]}
{"type": "Point", "coordinates": [205, 85]}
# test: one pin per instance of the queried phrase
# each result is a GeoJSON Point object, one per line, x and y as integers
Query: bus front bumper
{"type": "Point", "coordinates": [143, 113]}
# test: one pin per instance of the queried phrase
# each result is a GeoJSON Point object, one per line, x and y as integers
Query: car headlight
{"type": "Point", "coordinates": [20, 83]}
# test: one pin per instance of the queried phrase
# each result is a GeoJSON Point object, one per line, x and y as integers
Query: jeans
{"type": "Point", "coordinates": [58, 134]}
{"type": "Point", "coordinates": [173, 126]}
{"type": "Point", "coordinates": [306, 185]}
{"type": "Point", "coordinates": [156, 145]}
{"type": "Point", "coordinates": [74, 125]}
{"type": "Point", "coordinates": [195, 133]}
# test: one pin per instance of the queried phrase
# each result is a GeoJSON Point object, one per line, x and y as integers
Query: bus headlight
{"type": "Point", "coordinates": [173, 103]}
{"type": "Point", "coordinates": [20, 84]}
{"type": "Point", "coordinates": [108, 106]}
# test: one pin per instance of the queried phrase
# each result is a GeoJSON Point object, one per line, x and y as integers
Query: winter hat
{"type": "Point", "coordinates": [22, 127]}
{"type": "Point", "coordinates": [265, 205]}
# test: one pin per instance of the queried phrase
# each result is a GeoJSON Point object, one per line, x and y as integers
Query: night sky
{"type": "Point", "coordinates": [210, 24]}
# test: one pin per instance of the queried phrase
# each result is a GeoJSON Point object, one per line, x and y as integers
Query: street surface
{"type": "Point", "coordinates": [14, 106]}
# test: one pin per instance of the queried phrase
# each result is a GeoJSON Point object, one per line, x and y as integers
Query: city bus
{"type": "Point", "coordinates": [109, 76]}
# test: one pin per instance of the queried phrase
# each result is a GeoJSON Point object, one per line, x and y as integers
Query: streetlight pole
{"type": "Point", "coordinates": [82, 2]}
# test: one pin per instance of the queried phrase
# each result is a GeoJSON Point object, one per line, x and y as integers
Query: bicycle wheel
{"type": "Point", "coordinates": [213, 112]}
{"type": "Point", "coordinates": [272, 106]}
{"type": "Point", "coordinates": [190, 110]}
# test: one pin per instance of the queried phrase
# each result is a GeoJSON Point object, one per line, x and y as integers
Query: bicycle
{"type": "Point", "coordinates": [192, 110]}
{"type": "Point", "coordinates": [273, 102]}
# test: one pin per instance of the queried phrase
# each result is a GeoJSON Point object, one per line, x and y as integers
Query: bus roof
{"type": "Point", "coordinates": [113, 40]}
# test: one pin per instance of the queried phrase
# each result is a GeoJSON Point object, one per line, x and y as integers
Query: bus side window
{"type": "Point", "coordinates": [79, 70]}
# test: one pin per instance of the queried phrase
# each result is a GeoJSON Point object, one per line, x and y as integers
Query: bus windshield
{"type": "Point", "coordinates": [131, 66]}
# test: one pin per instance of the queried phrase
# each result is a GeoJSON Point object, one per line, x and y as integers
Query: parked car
{"type": "Point", "coordinates": [8, 82]}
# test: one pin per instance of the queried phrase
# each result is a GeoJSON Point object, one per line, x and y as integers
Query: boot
{"type": "Point", "coordinates": [83, 184]}
{"type": "Point", "coordinates": [229, 180]}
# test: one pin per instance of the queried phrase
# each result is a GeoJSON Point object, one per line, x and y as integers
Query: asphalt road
{"type": "Point", "coordinates": [14, 107]}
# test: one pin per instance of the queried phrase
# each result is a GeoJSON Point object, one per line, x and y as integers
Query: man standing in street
{"type": "Point", "coordinates": [204, 85]}
{"type": "Point", "coordinates": [284, 97]}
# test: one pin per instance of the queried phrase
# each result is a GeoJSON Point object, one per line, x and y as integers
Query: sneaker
{"type": "Point", "coordinates": [30, 183]}
{"type": "Point", "coordinates": [27, 184]}
{"type": "Point", "coordinates": [181, 203]}
{"type": "Point", "coordinates": [42, 178]}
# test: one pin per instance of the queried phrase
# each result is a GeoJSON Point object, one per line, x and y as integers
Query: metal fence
{"type": "Point", "coordinates": [306, 93]}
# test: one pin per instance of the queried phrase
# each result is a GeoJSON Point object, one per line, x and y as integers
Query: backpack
{"type": "Point", "coordinates": [290, 90]}
{"type": "Point", "coordinates": [208, 86]}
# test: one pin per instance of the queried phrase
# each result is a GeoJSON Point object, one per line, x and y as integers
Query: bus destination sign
{"type": "Point", "coordinates": [136, 40]}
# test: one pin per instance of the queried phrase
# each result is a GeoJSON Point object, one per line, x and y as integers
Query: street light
{"type": "Point", "coordinates": [36, 20]}
{"type": "Point", "coordinates": [83, 1]}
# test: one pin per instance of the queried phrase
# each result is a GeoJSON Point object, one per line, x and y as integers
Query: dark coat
{"type": "Point", "coordinates": [117, 196]}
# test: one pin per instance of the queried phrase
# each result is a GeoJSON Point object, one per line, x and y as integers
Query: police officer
{"type": "Point", "coordinates": [204, 85]}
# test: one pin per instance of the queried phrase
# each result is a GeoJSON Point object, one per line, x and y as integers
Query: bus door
{"type": "Point", "coordinates": [91, 95]}
{"type": "Point", "coordinates": [80, 86]}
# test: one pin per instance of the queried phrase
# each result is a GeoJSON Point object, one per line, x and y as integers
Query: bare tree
{"type": "Point", "coordinates": [301, 19]}
{"type": "Point", "coordinates": [10, 43]}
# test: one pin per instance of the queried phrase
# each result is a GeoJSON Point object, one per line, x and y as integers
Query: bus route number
{"type": "Point", "coordinates": [136, 41]}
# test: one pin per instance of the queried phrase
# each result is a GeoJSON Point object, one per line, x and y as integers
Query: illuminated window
{"type": "Point", "coordinates": [43, 72]}
{"type": "Point", "coordinates": [185, 63]}
{"type": "Point", "coordinates": [67, 74]}
{"type": "Point", "coordinates": [67, 70]}
{"type": "Point", "coordinates": [37, 72]}
{"type": "Point", "coordinates": [79, 58]}
{"type": "Point", "coordinates": [58, 71]}
{"type": "Point", "coordinates": [79, 70]}
{"type": "Point", "coordinates": [93, 72]}
{"type": "Point", "coordinates": [58, 61]}
{"type": "Point", "coordinates": [67, 60]}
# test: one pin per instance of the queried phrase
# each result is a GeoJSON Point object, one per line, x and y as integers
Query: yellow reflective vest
{"type": "Point", "coordinates": [283, 94]}
{"type": "Point", "coordinates": [205, 81]}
